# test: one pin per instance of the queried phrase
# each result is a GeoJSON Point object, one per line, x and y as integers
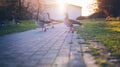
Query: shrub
{"type": "Point", "coordinates": [102, 63]}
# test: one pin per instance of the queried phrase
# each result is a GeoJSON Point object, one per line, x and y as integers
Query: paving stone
{"type": "Point", "coordinates": [41, 49]}
{"type": "Point", "coordinates": [44, 65]}
{"type": "Point", "coordinates": [30, 63]}
{"type": "Point", "coordinates": [50, 55]}
{"type": "Point", "coordinates": [8, 65]}
{"type": "Point", "coordinates": [36, 57]}
{"type": "Point", "coordinates": [46, 61]}
{"type": "Point", "coordinates": [60, 61]}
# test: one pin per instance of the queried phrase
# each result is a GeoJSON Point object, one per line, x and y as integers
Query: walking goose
{"type": "Point", "coordinates": [70, 23]}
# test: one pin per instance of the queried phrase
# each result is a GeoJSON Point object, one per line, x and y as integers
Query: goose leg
{"type": "Point", "coordinates": [45, 30]}
{"type": "Point", "coordinates": [71, 30]}
{"type": "Point", "coordinates": [52, 25]}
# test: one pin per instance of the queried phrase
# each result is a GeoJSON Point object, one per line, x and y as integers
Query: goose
{"type": "Point", "coordinates": [70, 23]}
{"type": "Point", "coordinates": [42, 23]}
{"type": "Point", "coordinates": [50, 20]}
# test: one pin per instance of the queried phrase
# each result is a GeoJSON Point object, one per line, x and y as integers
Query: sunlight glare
{"type": "Point", "coordinates": [85, 4]}
{"type": "Point", "coordinates": [87, 9]}
{"type": "Point", "coordinates": [62, 4]}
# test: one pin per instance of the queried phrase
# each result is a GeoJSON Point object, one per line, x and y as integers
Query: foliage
{"type": "Point", "coordinates": [95, 52]}
{"type": "Point", "coordinates": [109, 7]}
{"type": "Point", "coordinates": [10, 9]}
{"type": "Point", "coordinates": [102, 63]}
{"type": "Point", "coordinates": [81, 18]}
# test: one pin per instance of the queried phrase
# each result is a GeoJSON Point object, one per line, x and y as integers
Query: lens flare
{"type": "Point", "coordinates": [62, 4]}
{"type": "Point", "coordinates": [87, 5]}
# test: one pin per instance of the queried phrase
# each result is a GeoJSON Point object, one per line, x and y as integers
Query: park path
{"type": "Point", "coordinates": [41, 49]}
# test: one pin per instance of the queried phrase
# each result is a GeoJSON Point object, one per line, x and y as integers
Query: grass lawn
{"type": "Point", "coordinates": [12, 28]}
{"type": "Point", "coordinates": [107, 32]}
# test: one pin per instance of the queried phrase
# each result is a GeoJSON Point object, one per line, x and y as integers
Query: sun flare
{"type": "Point", "coordinates": [62, 4]}
{"type": "Point", "coordinates": [87, 8]}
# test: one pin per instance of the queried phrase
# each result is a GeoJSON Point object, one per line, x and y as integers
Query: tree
{"type": "Point", "coordinates": [109, 7]}
{"type": "Point", "coordinates": [21, 9]}
{"type": "Point", "coordinates": [17, 9]}
{"type": "Point", "coordinates": [6, 9]}
{"type": "Point", "coordinates": [40, 10]}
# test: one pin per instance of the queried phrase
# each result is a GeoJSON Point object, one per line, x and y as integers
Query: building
{"type": "Point", "coordinates": [74, 11]}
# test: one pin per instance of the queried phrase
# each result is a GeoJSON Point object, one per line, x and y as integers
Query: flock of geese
{"type": "Point", "coordinates": [68, 22]}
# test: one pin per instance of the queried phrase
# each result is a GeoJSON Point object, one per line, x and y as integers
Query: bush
{"type": "Point", "coordinates": [81, 18]}
{"type": "Point", "coordinates": [102, 63]}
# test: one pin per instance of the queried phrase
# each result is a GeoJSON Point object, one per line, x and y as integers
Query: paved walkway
{"type": "Point", "coordinates": [41, 49]}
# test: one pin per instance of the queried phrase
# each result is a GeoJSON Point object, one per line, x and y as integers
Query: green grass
{"type": "Point", "coordinates": [95, 52]}
{"type": "Point", "coordinates": [102, 63]}
{"type": "Point", "coordinates": [106, 32]}
{"type": "Point", "coordinates": [12, 28]}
